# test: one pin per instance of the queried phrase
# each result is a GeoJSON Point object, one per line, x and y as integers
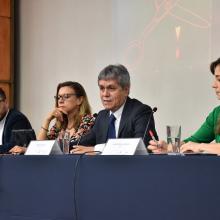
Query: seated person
{"type": "Point", "coordinates": [129, 116]}
{"type": "Point", "coordinates": [72, 113]}
{"type": "Point", "coordinates": [10, 119]}
{"type": "Point", "coordinates": [201, 140]}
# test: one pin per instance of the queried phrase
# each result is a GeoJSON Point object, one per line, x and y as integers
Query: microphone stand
{"type": "Point", "coordinates": [148, 123]}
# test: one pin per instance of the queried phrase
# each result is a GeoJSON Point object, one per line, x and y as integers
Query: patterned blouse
{"type": "Point", "coordinates": [86, 124]}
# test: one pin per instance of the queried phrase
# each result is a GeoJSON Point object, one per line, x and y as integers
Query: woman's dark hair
{"type": "Point", "coordinates": [213, 65]}
{"type": "Point", "coordinates": [217, 128]}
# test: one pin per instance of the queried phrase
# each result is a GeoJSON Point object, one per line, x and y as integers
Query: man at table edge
{"type": "Point", "coordinates": [131, 116]}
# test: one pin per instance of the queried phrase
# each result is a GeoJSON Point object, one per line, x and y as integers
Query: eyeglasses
{"type": "Point", "coordinates": [64, 97]}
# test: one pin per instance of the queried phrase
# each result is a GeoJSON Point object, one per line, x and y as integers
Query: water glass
{"type": "Point", "coordinates": [64, 141]}
{"type": "Point", "coordinates": [174, 137]}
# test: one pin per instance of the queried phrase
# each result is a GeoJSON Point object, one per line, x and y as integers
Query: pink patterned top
{"type": "Point", "coordinates": [86, 124]}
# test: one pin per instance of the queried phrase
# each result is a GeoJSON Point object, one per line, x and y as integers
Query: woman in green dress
{"type": "Point", "coordinates": [202, 139]}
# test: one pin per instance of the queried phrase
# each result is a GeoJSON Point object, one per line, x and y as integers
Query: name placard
{"type": "Point", "coordinates": [46, 147]}
{"type": "Point", "coordinates": [125, 146]}
{"type": "Point", "coordinates": [99, 147]}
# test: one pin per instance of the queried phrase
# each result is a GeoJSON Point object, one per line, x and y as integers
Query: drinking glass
{"type": "Point", "coordinates": [174, 137]}
{"type": "Point", "coordinates": [64, 141]}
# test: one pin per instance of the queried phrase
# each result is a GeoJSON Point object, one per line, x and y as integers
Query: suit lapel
{"type": "Point", "coordinates": [104, 126]}
{"type": "Point", "coordinates": [124, 117]}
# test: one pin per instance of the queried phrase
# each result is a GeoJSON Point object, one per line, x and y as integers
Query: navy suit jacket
{"type": "Point", "coordinates": [133, 123]}
{"type": "Point", "coordinates": [15, 120]}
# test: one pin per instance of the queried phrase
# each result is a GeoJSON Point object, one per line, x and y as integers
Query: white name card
{"type": "Point", "coordinates": [43, 148]}
{"type": "Point", "coordinates": [99, 147]}
{"type": "Point", "coordinates": [125, 146]}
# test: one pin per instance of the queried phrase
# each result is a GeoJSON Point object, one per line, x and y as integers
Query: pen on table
{"type": "Point", "coordinates": [153, 138]}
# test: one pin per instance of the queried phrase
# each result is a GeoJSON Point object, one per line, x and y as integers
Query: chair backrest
{"type": "Point", "coordinates": [22, 137]}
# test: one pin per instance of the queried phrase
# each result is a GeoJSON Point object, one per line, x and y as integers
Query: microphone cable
{"type": "Point", "coordinates": [75, 181]}
{"type": "Point", "coordinates": [76, 173]}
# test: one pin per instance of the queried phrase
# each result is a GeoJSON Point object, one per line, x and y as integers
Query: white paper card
{"type": "Point", "coordinates": [99, 147]}
{"type": "Point", "coordinates": [43, 148]}
{"type": "Point", "coordinates": [125, 146]}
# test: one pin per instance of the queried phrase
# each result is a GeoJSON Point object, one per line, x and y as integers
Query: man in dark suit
{"type": "Point", "coordinates": [130, 115]}
{"type": "Point", "coordinates": [10, 119]}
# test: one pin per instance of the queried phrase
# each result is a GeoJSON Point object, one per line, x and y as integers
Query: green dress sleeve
{"type": "Point", "coordinates": [206, 133]}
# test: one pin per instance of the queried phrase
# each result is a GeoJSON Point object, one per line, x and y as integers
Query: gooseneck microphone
{"type": "Point", "coordinates": [148, 123]}
{"type": "Point", "coordinates": [95, 115]}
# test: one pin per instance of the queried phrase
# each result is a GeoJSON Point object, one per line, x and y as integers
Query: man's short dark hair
{"type": "Point", "coordinates": [116, 72]}
{"type": "Point", "coordinates": [2, 94]}
{"type": "Point", "coordinates": [213, 65]}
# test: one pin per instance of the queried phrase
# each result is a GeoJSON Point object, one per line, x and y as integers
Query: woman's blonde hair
{"type": "Point", "coordinates": [84, 108]}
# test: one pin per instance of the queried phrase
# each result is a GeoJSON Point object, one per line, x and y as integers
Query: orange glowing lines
{"type": "Point", "coordinates": [177, 31]}
{"type": "Point", "coordinates": [134, 53]}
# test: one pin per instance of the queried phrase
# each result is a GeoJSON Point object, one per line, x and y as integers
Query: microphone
{"type": "Point", "coordinates": [148, 123]}
{"type": "Point", "coordinates": [95, 115]}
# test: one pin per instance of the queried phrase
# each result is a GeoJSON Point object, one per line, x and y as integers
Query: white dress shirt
{"type": "Point", "coordinates": [2, 125]}
{"type": "Point", "coordinates": [117, 115]}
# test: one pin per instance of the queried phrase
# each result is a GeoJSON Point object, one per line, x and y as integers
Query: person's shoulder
{"type": "Point", "coordinates": [14, 114]}
{"type": "Point", "coordinates": [101, 115]}
{"type": "Point", "coordinates": [217, 108]}
{"type": "Point", "coordinates": [215, 111]}
{"type": "Point", "coordinates": [102, 112]}
{"type": "Point", "coordinates": [88, 118]}
{"type": "Point", "coordinates": [136, 103]}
